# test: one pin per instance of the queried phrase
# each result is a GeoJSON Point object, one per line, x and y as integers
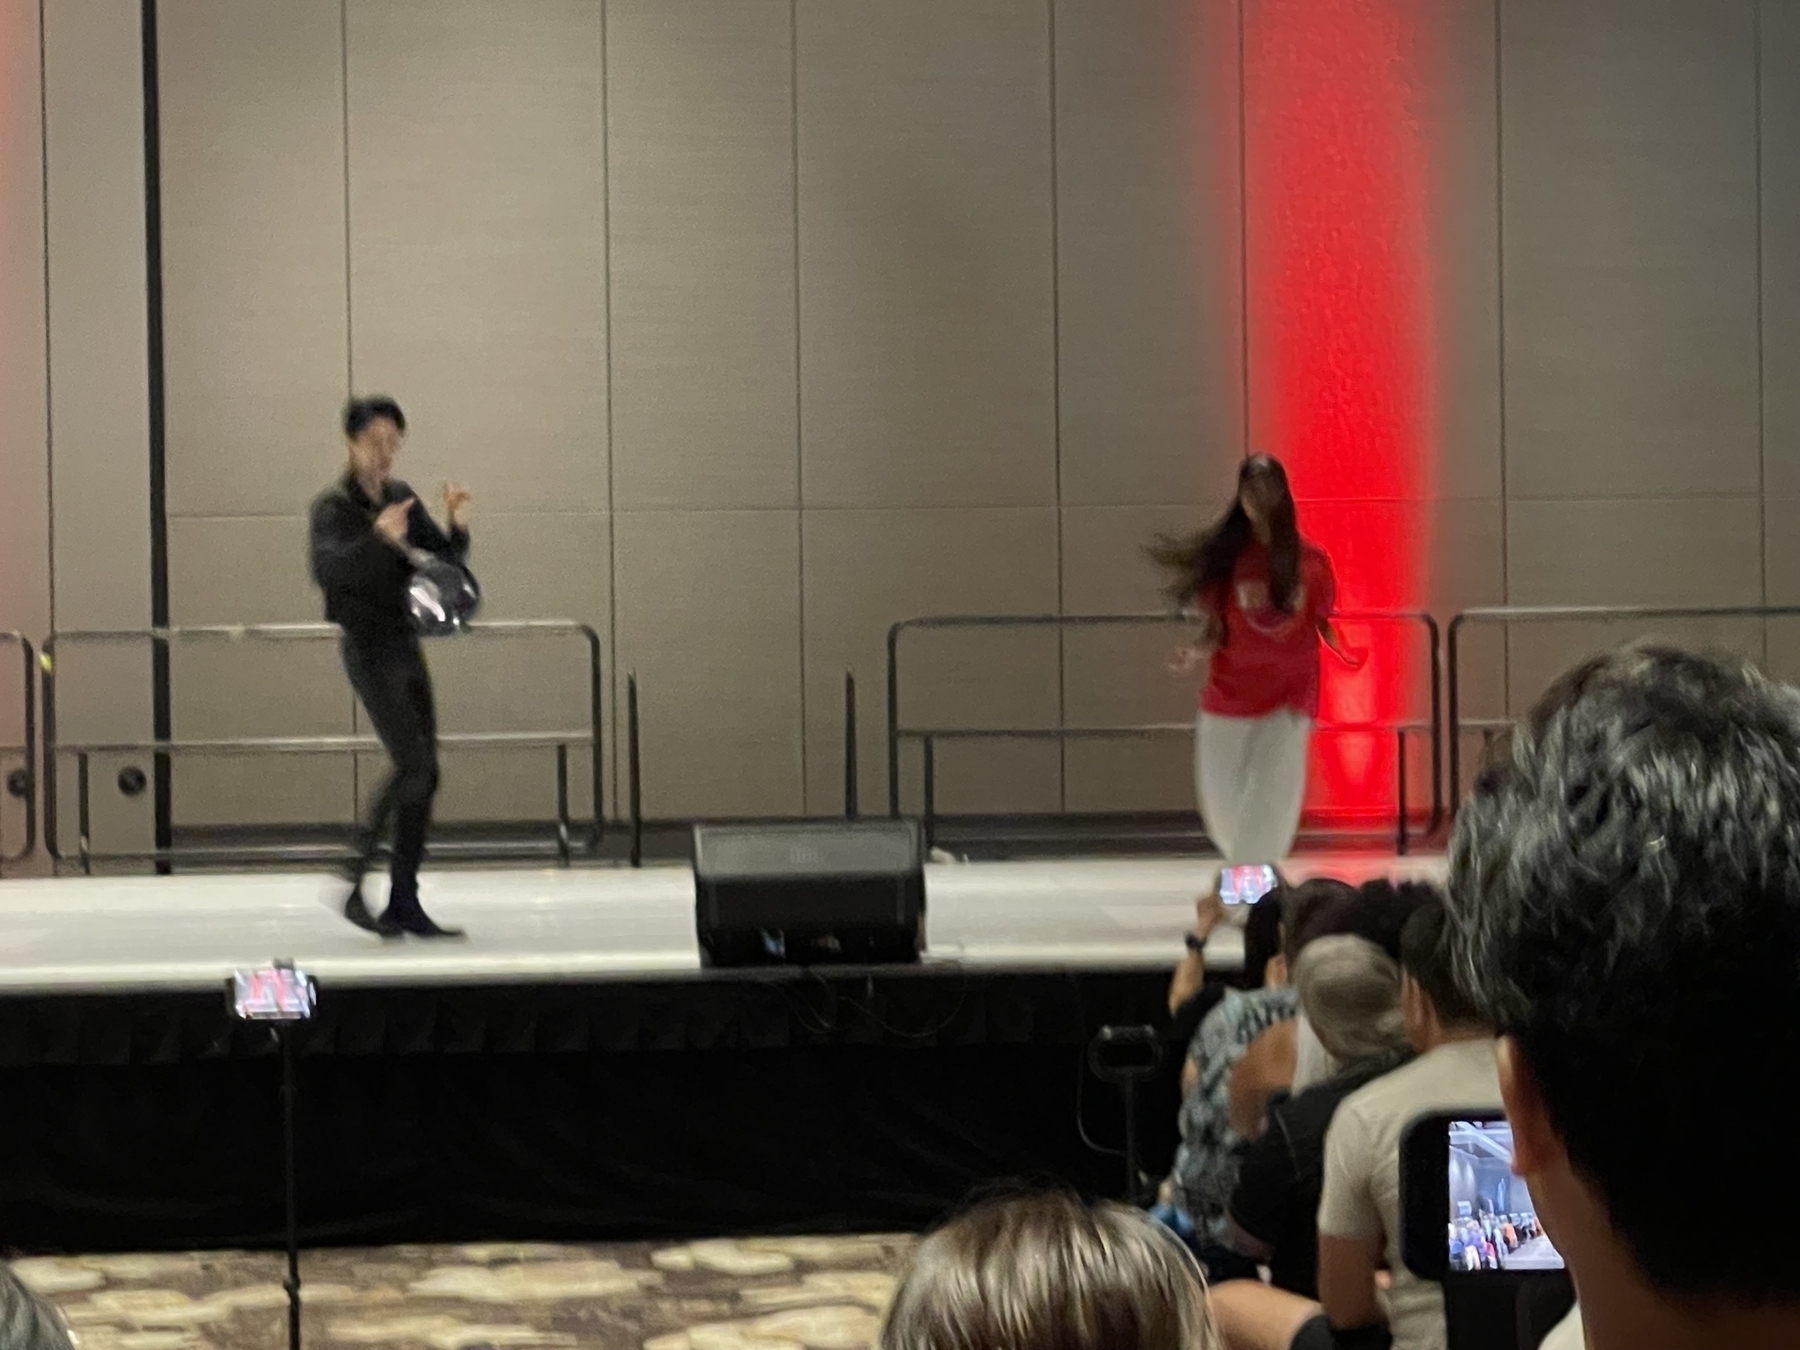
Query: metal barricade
{"type": "Point", "coordinates": [55, 750]}
{"type": "Point", "coordinates": [21, 781]}
{"type": "Point", "coordinates": [928, 737]}
{"type": "Point", "coordinates": [1505, 615]}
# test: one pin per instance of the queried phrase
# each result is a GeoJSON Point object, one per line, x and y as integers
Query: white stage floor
{"type": "Point", "coordinates": [118, 934]}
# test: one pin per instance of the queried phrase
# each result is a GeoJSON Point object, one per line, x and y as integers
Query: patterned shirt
{"type": "Point", "coordinates": [1206, 1164]}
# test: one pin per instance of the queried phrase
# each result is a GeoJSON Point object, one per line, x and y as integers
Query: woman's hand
{"type": "Point", "coordinates": [1209, 913]}
{"type": "Point", "coordinates": [1186, 659]}
{"type": "Point", "coordinates": [1191, 656]}
{"type": "Point", "coordinates": [1353, 657]}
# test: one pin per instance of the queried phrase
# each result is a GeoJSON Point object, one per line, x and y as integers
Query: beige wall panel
{"type": "Point", "coordinates": [99, 420]}
{"type": "Point", "coordinates": [254, 304]}
{"type": "Point", "coordinates": [242, 569]}
{"type": "Point", "coordinates": [1541, 652]}
{"type": "Point", "coordinates": [700, 129]}
{"type": "Point", "coordinates": [1781, 246]}
{"type": "Point", "coordinates": [24, 416]}
{"type": "Point", "coordinates": [1668, 551]}
{"type": "Point", "coordinates": [1116, 676]}
{"type": "Point", "coordinates": [99, 415]}
{"type": "Point", "coordinates": [255, 691]}
{"type": "Point", "coordinates": [926, 353]}
{"type": "Point", "coordinates": [1642, 551]}
{"type": "Point", "coordinates": [866, 570]}
{"type": "Point", "coordinates": [1782, 571]}
{"type": "Point", "coordinates": [1781, 649]}
{"type": "Point", "coordinates": [1465, 231]}
{"type": "Point", "coordinates": [531, 567]}
{"type": "Point", "coordinates": [477, 244]}
{"type": "Point", "coordinates": [1782, 549]}
{"type": "Point", "coordinates": [1468, 570]}
{"type": "Point", "coordinates": [103, 697]}
{"type": "Point", "coordinates": [709, 618]}
{"type": "Point", "coordinates": [252, 570]}
{"type": "Point", "coordinates": [1148, 249]}
{"type": "Point", "coordinates": [1630, 237]}
{"type": "Point", "coordinates": [1466, 555]}
{"type": "Point", "coordinates": [1104, 568]}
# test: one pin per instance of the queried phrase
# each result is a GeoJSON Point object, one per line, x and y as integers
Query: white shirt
{"type": "Point", "coordinates": [1361, 1198]}
{"type": "Point", "coordinates": [1567, 1334]}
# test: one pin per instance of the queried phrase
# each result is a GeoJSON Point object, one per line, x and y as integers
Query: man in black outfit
{"type": "Point", "coordinates": [366, 529]}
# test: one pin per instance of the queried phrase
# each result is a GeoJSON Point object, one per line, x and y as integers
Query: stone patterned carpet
{"type": "Point", "coordinates": [749, 1294]}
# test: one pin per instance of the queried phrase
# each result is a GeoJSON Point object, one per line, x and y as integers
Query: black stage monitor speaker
{"type": "Point", "coordinates": [809, 894]}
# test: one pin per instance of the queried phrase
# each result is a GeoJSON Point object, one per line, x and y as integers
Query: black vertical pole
{"type": "Point", "coordinates": [562, 802]}
{"type": "Point", "coordinates": [893, 720]}
{"type": "Point", "coordinates": [1400, 840]}
{"type": "Point", "coordinates": [49, 781]}
{"type": "Point", "coordinates": [596, 764]}
{"type": "Point", "coordinates": [635, 786]}
{"type": "Point", "coordinates": [930, 792]}
{"type": "Point", "coordinates": [850, 769]}
{"type": "Point", "coordinates": [161, 714]}
{"type": "Point", "coordinates": [1132, 1173]}
{"type": "Point", "coordinates": [83, 822]}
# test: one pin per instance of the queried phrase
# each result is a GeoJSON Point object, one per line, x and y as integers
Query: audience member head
{"type": "Point", "coordinates": [1431, 996]}
{"type": "Point", "coordinates": [1349, 990]}
{"type": "Point", "coordinates": [1387, 905]}
{"type": "Point", "coordinates": [1262, 937]}
{"type": "Point", "coordinates": [1376, 910]}
{"type": "Point", "coordinates": [27, 1322]}
{"type": "Point", "coordinates": [1312, 910]}
{"type": "Point", "coordinates": [1050, 1271]}
{"type": "Point", "coordinates": [1626, 896]}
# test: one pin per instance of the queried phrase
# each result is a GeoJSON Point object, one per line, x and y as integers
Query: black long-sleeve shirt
{"type": "Point", "coordinates": [363, 576]}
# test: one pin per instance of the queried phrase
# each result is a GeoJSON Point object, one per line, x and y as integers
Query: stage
{"type": "Point", "coordinates": [132, 934]}
{"type": "Point", "coordinates": [570, 1071]}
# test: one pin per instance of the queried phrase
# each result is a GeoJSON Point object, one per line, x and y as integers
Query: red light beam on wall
{"type": "Point", "coordinates": [1338, 313]}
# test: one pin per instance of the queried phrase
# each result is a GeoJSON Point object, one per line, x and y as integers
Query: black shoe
{"type": "Point", "coordinates": [415, 923]}
{"type": "Point", "coordinates": [356, 909]}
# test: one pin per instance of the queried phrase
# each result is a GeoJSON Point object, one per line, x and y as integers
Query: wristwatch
{"type": "Point", "coordinates": [1193, 942]}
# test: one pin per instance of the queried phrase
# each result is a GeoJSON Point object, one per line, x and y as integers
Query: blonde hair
{"type": "Point", "coordinates": [1349, 989]}
{"type": "Point", "coordinates": [1049, 1271]}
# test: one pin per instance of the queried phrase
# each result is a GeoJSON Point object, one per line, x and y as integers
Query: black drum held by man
{"type": "Point", "coordinates": [390, 573]}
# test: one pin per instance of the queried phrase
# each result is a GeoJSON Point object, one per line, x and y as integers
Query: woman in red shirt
{"type": "Point", "coordinates": [1264, 597]}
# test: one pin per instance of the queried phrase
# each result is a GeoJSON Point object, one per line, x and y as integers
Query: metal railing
{"type": "Point", "coordinates": [21, 782]}
{"type": "Point", "coordinates": [1506, 615]}
{"type": "Point", "coordinates": [1061, 732]}
{"type": "Point", "coordinates": [162, 749]}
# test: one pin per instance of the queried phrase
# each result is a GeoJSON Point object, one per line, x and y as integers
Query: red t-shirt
{"type": "Point", "coordinates": [1269, 659]}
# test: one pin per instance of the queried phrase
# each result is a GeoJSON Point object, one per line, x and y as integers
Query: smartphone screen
{"type": "Point", "coordinates": [1493, 1223]}
{"type": "Point", "coordinates": [1245, 885]}
{"type": "Point", "coordinates": [272, 994]}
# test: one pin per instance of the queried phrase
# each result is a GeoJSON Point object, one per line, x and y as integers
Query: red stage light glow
{"type": "Point", "coordinates": [1339, 333]}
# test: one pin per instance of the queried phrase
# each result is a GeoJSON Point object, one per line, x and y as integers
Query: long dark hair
{"type": "Point", "coordinates": [1201, 563]}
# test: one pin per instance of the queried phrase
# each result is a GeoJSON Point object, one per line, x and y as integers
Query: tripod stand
{"type": "Point", "coordinates": [1127, 1056]}
{"type": "Point", "coordinates": [284, 998]}
{"type": "Point", "coordinates": [290, 1186]}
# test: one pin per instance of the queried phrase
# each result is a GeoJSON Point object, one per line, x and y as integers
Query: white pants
{"type": "Point", "coordinates": [1250, 776]}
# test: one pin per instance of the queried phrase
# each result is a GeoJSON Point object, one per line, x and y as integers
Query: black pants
{"type": "Point", "coordinates": [389, 676]}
